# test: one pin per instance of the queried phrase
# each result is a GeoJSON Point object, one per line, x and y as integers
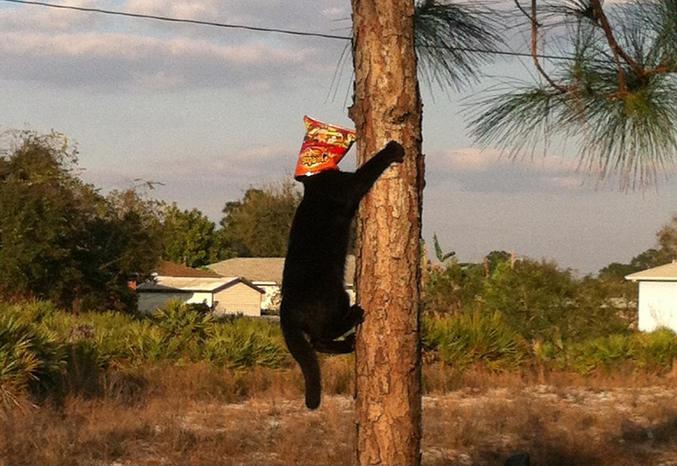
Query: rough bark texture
{"type": "Point", "coordinates": [387, 106]}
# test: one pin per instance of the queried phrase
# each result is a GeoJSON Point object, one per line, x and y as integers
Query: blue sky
{"type": "Point", "coordinates": [210, 112]}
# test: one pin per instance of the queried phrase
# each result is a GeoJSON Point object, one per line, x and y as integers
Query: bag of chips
{"type": "Point", "coordinates": [323, 147]}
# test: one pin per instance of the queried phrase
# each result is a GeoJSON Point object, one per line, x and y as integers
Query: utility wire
{"type": "Point", "coordinates": [262, 29]}
{"type": "Point", "coordinates": [179, 20]}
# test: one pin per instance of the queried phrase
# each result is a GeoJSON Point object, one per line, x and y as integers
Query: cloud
{"type": "Point", "coordinates": [474, 170]}
{"type": "Point", "coordinates": [190, 9]}
{"type": "Point", "coordinates": [34, 18]}
{"type": "Point", "coordinates": [118, 60]}
{"type": "Point", "coordinates": [75, 49]}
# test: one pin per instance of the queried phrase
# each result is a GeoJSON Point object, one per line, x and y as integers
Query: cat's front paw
{"type": "Point", "coordinates": [395, 151]}
{"type": "Point", "coordinates": [356, 314]}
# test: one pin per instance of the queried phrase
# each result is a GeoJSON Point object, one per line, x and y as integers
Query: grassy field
{"type": "Point", "coordinates": [199, 414]}
{"type": "Point", "coordinates": [183, 388]}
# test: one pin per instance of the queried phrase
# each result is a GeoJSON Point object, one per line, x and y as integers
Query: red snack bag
{"type": "Point", "coordinates": [323, 147]}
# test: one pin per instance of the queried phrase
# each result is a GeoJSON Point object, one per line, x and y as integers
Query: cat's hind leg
{"type": "Point", "coordinates": [345, 318]}
{"type": "Point", "coordinates": [344, 346]}
{"type": "Point", "coordinates": [352, 316]}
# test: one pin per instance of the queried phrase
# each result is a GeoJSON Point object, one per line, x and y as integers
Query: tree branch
{"type": "Point", "coordinates": [616, 49]}
{"type": "Point", "coordinates": [534, 47]}
{"type": "Point", "coordinates": [524, 12]}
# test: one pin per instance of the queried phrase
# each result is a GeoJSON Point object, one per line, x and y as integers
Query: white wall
{"type": "Point", "coordinates": [150, 301]}
{"type": "Point", "coordinates": [238, 299]}
{"type": "Point", "coordinates": [657, 305]}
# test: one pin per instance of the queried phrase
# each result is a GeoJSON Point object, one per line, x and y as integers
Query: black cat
{"type": "Point", "coordinates": [315, 308]}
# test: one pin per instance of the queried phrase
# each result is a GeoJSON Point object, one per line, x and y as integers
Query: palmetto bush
{"type": "Point", "coordinates": [473, 338]}
{"type": "Point", "coordinates": [183, 330]}
{"type": "Point", "coordinates": [47, 351]}
{"type": "Point", "coordinates": [656, 350]}
{"type": "Point", "coordinates": [41, 346]}
{"type": "Point", "coordinates": [597, 353]}
{"type": "Point", "coordinates": [245, 343]}
{"type": "Point", "coordinates": [653, 351]}
{"type": "Point", "coordinates": [30, 358]}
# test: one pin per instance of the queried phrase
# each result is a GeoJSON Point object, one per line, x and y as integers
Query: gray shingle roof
{"type": "Point", "coordinates": [266, 269]}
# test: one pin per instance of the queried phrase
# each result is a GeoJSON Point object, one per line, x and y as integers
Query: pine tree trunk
{"type": "Point", "coordinates": [387, 106]}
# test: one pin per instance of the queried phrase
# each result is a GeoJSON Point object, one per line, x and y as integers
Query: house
{"type": "Point", "coordinates": [657, 297]}
{"type": "Point", "coordinates": [266, 273]}
{"type": "Point", "coordinates": [224, 295]}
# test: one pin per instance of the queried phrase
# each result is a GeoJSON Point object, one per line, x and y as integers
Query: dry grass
{"type": "Point", "coordinates": [200, 415]}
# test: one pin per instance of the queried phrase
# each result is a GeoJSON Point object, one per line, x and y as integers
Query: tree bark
{"type": "Point", "coordinates": [387, 106]}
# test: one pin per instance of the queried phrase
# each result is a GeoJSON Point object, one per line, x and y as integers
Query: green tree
{"type": "Point", "coordinates": [616, 99]}
{"type": "Point", "coordinates": [664, 252]}
{"type": "Point", "coordinates": [39, 218]}
{"type": "Point", "coordinates": [188, 237]}
{"type": "Point", "coordinates": [258, 225]}
{"type": "Point", "coordinates": [667, 241]}
{"type": "Point", "coordinates": [452, 288]}
{"type": "Point", "coordinates": [534, 297]}
{"type": "Point", "coordinates": [494, 259]}
{"type": "Point", "coordinates": [541, 301]}
{"type": "Point", "coordinates": [125, 242]}
{"type": "Point", "coordinates": [59, 238]}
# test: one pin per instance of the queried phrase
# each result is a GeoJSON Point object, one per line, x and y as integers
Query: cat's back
{"type": "Point", "coordinates": [319, 233]}
{"type": "Point", "coordinates": [322, 214]}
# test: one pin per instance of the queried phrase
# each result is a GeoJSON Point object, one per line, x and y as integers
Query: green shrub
{"type": "Point", "coordinates": [653, 351]}
{"type": "Point", "coordinates": [30, 358]}
{"type": "Point", "coordinates": [603, 352]}
{"type": "Point", "coordinates": [656, 350]}
{"type": "Point", "coordinates": [144, 342]}
{"type": "Point", "coordinates": [244, 343]}
{"type": "Point", "coordinates": [451, 287]}
{"type": "Point", "coordinates": [183, 330]}
{"type": "Point", "coordinates": [475, 338]}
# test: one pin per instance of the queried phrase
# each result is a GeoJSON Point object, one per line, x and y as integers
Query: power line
{"type": "Point", "coordinates": [179, 20]}
{"type": "Point", "coordinates": [261, 29]}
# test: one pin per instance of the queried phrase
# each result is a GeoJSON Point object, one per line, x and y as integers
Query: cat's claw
{"type": "Point", "coordinates": [396, 151]}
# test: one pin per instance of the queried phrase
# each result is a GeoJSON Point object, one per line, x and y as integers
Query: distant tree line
{"type": "Point", "coordinates": [664, 252]}
{"type": "Point", "coordinates": [538, 298]}
{"type": "Point", "coordinates": [62, 240]}
{"type": "Point", "coordinates": [255, 226]}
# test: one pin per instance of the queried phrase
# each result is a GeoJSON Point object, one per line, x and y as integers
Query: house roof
{"type": "Point", "coordinates": [266, 269]}
{"type": "Point", "coordinates": [172, 269]}
{"type": "Point", "coordinates": [667, 272]}
{"type": "Point", "coordinates": [191, 284]}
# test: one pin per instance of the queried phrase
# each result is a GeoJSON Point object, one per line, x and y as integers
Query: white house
{"type": "Point", "coordinates": [266, 274]}
{"type": "Point", "coordinates": [657, 302]}
{"type": "Point", "coordinates": [224, 295]}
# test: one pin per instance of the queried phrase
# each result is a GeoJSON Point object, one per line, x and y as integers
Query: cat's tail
{"type": "Point", "coordinates": [305, 355]}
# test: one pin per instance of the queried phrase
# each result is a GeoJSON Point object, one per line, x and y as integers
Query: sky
{"type": "Point", "coordinates": [209, 112]}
